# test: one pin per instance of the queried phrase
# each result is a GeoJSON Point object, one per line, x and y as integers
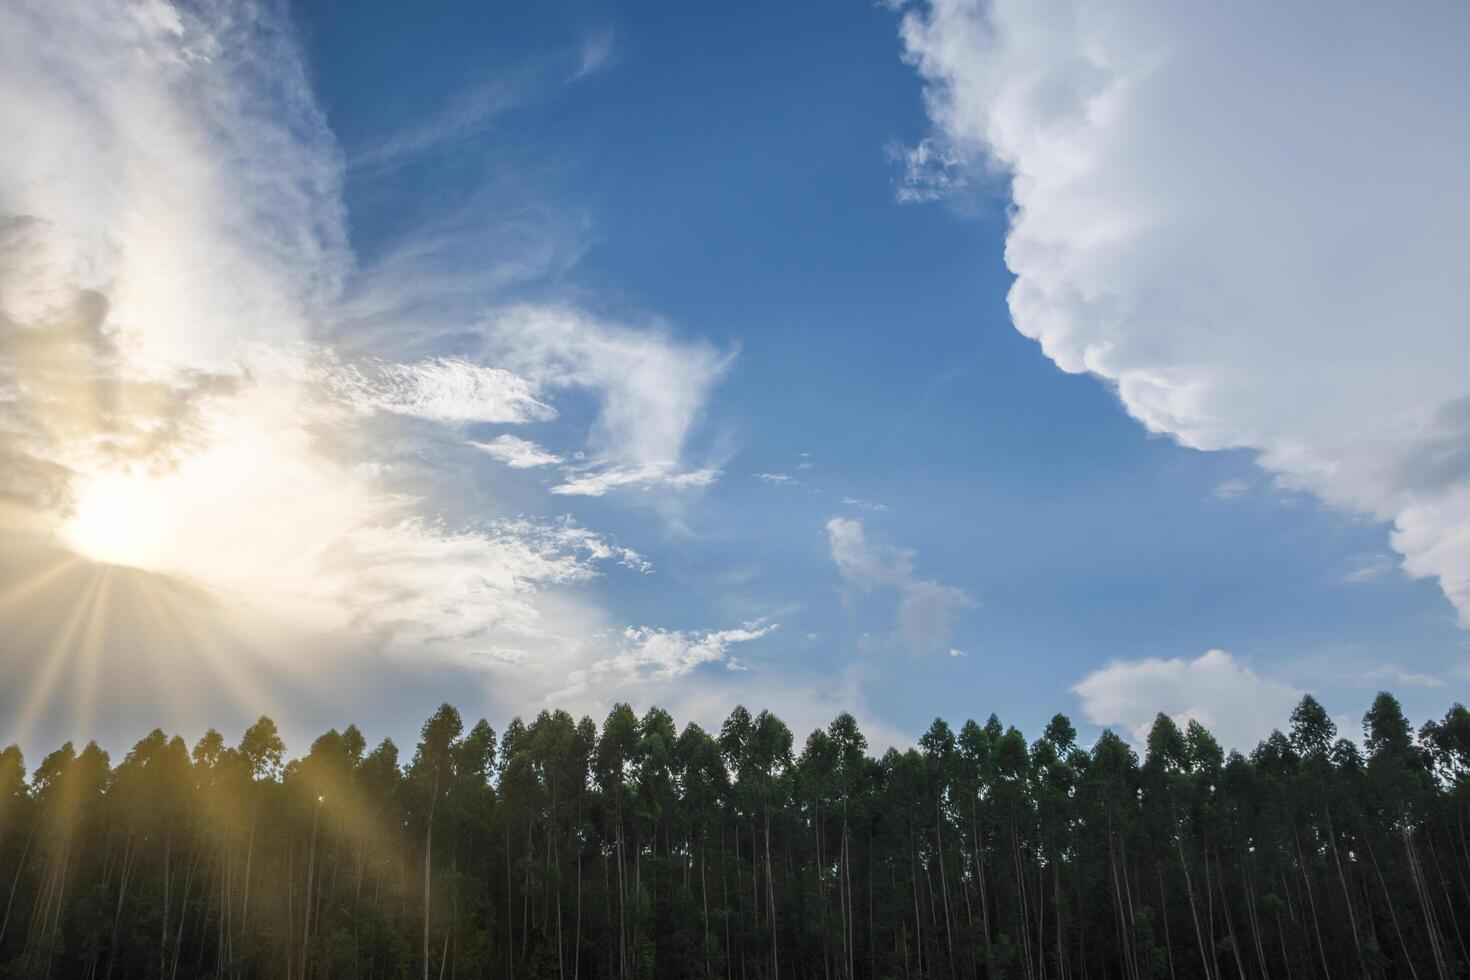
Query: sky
{"type": "Point", "coordinates": [907, 359]}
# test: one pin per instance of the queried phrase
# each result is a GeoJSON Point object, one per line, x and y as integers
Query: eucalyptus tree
{"type": "Point", "coordinates": [432, 770]}
{"type": "Point", "coordinates": [975, 772]}
{"type": "Point", "coordinates": [1110, 792]}
{"type": "Point", "coordinates": [615, 754]}
{"type": "Point", "coordinates": [938, 744]}
{"type": "Point", "coordinates": [814, 788]}
{"type": "Point", "coordinates": [262, 750]}
{"type": "Point", "coordinates": [1400, 781]}
{"type": "Point", "coordinates": [1313, 737]}
{"type": "Point", "coordinates": [973, 854]}
{"type": "Point", "coordinates": [703, 784]}
{"type": "Point", "coordinates": [851, 763]}
{"type": "Point", "coordinates": [1054, 759]}
{"type": "Point", "coordinates": [16, 822]}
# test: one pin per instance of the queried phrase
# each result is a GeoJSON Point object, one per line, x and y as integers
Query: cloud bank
{"type": "Point", "coordinates": [1249, 218]}
{"type": "Point", "coordinates": [1237, 705]}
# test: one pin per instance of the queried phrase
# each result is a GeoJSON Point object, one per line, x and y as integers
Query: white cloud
{"type": "Point", "coordinates": [863, 504]}
{"type": "Point", "coordinates": [926, 609]}
{"type": "Point", "coordinates": [803, 700]}
{"type": "Point", "coordinates": [1394, 674]}
{"type": "Point", "coordinates": [173, 258]}
{"type": "Point", "coordinates": [517, 453]}
{"type": "Point", "coordinates": [953, 652]}
{"type": "Point", "coordinates": [1368, 568]}
{"type": "Point", "coordinates": [645, 654]}
{"type": "Point", "coordinates": [596, 482]}
{"type": "Point", "coordinates": [470, 111]}
{"type": "Point", "coordinates": [777, 479]}
{"type": "Point", "coordinates": [451, 390]}
{"type": "Point", "coordinates": [1250, 219]}
{"type": "Point", "coordinates": [929, 172]}
{"type": "Point", "coordinates": [651, 390]}
{"type": "Point", "coordinates": [653, 387]}
{"type": "Point", "coordinates": [863, 563]}
{"type": "Point", "coordinates": [126, 131]}
{"type": "Point", "coordinates": [1237, 705]}
{"type": "Point", "coordinates": [465, 115]}
{"type": "Point", "coordinates": [1231, 489]}
{"type": "Point", "coordinates": [595, 53]}
{"type": "Point", "coordinates": [926, 613]}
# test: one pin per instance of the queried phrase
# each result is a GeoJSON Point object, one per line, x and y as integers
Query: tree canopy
{"type": "Point", "coordinates": [631, 849]}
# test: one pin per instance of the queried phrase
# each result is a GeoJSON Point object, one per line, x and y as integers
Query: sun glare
{"type": "Point", "coordinates": [119, 521]}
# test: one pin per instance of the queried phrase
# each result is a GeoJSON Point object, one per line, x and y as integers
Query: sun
{"type": "Point", "coordinates": [120, 519]}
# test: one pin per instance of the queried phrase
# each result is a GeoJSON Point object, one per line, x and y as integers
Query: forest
{"type": "Point", "coordinates": [565, 849]}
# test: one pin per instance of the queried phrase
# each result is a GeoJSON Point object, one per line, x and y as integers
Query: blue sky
{"type": "Point", "coordinates": [892, 500]}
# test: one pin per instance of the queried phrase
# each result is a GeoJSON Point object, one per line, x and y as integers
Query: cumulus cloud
{"type": "Point", "coordinates": [1250, 219]}
{"type": "Point", "coordinates": [926, 609]}
{"type": "Point", "coordinates": [517, 453]}
{"type": "Point", "coordinates": [1237, 705]}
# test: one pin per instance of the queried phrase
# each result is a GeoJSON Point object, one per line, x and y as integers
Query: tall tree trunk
{"type": "Point", "coordinates": [1311, 900]}
{"type": "Point", "coordinates": [310, 875]}
{"type": "Point", "coordinates": [15, 880]}
{"type": "Point", "coordinates": [943, 882]}
{"type": "Point", "coordinates": [1199, 935]}
{"type": "Point", "coordinates": [1422, 889]}
{"type": "Point", "coordinates": [428, 864]}
{"type": "Point", "coordinates": [1346, 894]}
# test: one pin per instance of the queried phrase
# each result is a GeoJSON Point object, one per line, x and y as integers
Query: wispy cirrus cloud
{"type": "Point", "coordinates": [929, 172]}
{"type": "Point", "coordinates": [517, 453]}
{"type": "Point", "coordinates": [197, 375]}
{"type": "Point", "coordinates": [651, 390]}
{"type": "Point", "coordinates": [596, 480]}
{"type": "Point", "coordinates": [1368, 568]}
{"type": "Point", "coordinates": [1230, 490]}
{"type": "Point", "coordinates": [469, 112]}
{"type": "Point", "coordinates": [1393, 674]}
{"type": "Point", "coordinates": [451, 390]}
{"type": "Point", "coordinates": [645, 654]}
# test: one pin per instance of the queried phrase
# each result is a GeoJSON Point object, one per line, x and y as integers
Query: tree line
{"type": "Point", "coordinates": [630, 850]}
